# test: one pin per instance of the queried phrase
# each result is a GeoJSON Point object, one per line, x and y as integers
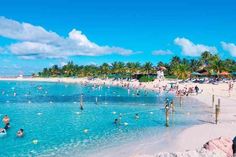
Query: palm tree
{"type": "Point", "coordinates": [133, 68]}
{"type": "Point", "coordinates": [118, 68]}
{"type": "Point", "coordinates": [205, 58]}
{"type": "Point", "coordinates": [181, 71]}
{"type": "Point", "coordinates": [194, 65]}
{"type": "Point", "coordinates": [136, 68]}
{"type": "Point", "coordinates": [147, 67]}
{"type": "Point", "coordinates": [55, 70]}
{"type": "Point", "coordinates": [69, 69]}
{"type": "Point", "coordinates": [230, 65]}
{"type": "Point", "coordinates": [175, 60]}
{"type": "Point", "coordinates": [217, 66]}
{"type": "Point", "coordinates": [105, 69]}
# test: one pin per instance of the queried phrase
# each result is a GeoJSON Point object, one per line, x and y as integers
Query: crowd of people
{"type": "Point", "coordinates": [188, 90]}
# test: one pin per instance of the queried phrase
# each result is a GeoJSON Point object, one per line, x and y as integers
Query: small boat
{"type": "Point", "coordinates": [3, 133]}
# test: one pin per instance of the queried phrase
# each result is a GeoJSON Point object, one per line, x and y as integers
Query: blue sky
{"type": "Point", "coordinates": [40, 33]}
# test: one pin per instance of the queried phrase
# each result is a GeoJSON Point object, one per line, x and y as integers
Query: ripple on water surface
{"type": "Point", "coordinates": [55, 126]}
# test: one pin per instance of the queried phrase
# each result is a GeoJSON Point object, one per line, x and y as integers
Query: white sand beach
{"type": "Point", "coordinates": [185, 142]}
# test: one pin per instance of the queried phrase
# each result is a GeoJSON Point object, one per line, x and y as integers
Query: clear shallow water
{"type": "Point", "coordinates": [52, 116]}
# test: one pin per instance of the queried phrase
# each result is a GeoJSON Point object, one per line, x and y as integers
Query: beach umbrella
{"type": "Point", "coordinates": [162, 68]}
{"type": "Point", "coordinates": [224, 73]}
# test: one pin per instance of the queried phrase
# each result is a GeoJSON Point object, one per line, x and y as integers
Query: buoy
{"type": "Point", "coordinates": [113, 112]}
{"type": "Point", "coordinates": [77, 112]}
{"type": "Point", "coordinates": [35, 141]}
{"type": "Point", "coordinates": [126, 124]}
{"type": "Point", "coordinates": [39, 113]}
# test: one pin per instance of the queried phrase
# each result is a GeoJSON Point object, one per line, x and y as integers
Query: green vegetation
{"type": "Point", "coordinates": [177, 68]}
{"type": "Point", "coordinates": [146, 79]}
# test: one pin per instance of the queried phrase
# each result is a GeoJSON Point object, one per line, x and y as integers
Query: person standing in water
{"type": "Point", "coordinates": [6, 119]}
{"type": "Point", "coordinates": [81, 102]}
{"type": "Point", "coordinates": [116, 122]}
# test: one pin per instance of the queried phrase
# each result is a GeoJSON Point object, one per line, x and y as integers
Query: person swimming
{"type": "Point", "coordinates": [81, 107]}
{"type": "Point", "coordinates": [136, 116]}
{"type": "Point", "coordinates": [116, 121]}
{"type": "Point", "coordinates": [6, 119]}
{"type": "Point", "coordinates": [7, 126]}
{"type": "Point", "coordinates": [20, 133]}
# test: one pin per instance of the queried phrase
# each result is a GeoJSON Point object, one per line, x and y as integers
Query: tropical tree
{"type": "Point", "coordinates": [181, 71]}
{"type": "Point", "coordinates": [104, 69]}
{"type": "Point", "coordinates": [178, 67]}
{"type": "Point", "coordinates": [118, 68]}
{"type": "Point", "coordinates": [147, 68]}
{"type": "Point", "coordinates": [217, 66]}
{"type": "Point", "coordinates": [133, 68]}
{"type": "Point", "coordinates": [205, 58]}
{"type": "Point", "coordinates": [194, 65]}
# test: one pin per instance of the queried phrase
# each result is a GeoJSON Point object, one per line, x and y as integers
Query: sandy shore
{"type": "Point", "coordinates": [190, 139]}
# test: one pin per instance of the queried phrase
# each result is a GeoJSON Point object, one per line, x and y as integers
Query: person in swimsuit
{"type": "Point", "coordinates": [7, 126]}
{"type": "Point", "coordinates": [6, 119]}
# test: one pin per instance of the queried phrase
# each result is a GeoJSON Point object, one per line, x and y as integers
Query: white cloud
{"type": "Point", "coordinates": [36, 42]}
{"type": "Point", "coordinates": [162, 52]}
{"type": "Point", "coordinates": [191, 49]}
{"type": "Point", "coordinates": [63, 63]}
{"type": "Point", "coordinates": [230, 47]}
{"type": "Point", "coordinates": [26, 32]}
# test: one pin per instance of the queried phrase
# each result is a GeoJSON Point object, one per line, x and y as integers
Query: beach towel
{"type": "Point", "coordinates": [223, 144]}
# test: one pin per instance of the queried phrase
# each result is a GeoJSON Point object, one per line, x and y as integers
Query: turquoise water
{"type": "Point", "coordinates": [50, 113]}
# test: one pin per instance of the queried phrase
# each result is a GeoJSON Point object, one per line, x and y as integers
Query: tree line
{"type": "Point", "coordinates": [177, 67]}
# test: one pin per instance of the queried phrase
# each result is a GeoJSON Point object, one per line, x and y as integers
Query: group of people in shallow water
{"type": "Point", "coordinates": [117, 121]}
{"type": "Point", "coordinates": [6, 122]}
